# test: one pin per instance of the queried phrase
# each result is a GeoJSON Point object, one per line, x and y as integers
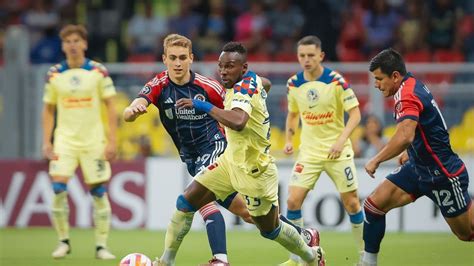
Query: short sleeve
{"type": "Point", "coordinates": [151, 91]}
{"type": "Point", "coordinates": [292, 103]}
{"type": "Point", "coordinates": [49, 95]}
{"type": "Point", "coordinates": [107, 87]}
{"type": "Point", "coordinates": [408, 107]}
{"type": "Point", "coordinates": [349, 99]}
{"type": "Point", "coordinates": [243, 92]}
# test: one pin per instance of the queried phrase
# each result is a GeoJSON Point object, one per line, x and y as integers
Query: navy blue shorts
{"type": "Point", "coordinates": [204, 157]}
{"type": "Point", "coordinates": [449, 194]}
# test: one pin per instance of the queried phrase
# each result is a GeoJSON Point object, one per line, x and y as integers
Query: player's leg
{"type": "Point", "coordinates": [263, 207]}
{"type": "Point", "coordinates": [60, 171]}
{"type": "Point", "coordinates": [236, 205]}
{"type": "Point", "coordinates": [398, 189]}
{"type": "Point", "coordinates": [452, 197]}
{"type": "Point", "coordinates": [343, 174]}
{"type": "Point", "coordinates": [303, 179]}
{"type": "Point", "coordinates": [208, 184]}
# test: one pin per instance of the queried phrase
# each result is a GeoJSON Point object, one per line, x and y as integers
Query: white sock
{"type": "Point", "coordinates": [221, 256]}
{"type": "Point", "coordinates": [370, 257]}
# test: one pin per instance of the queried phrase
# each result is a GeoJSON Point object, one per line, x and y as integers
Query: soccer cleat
{"type": "Point", "coordinates": [215, 262]}
{"type": "Point", "coordinates": [158, 262]}
{"type": "Point", "coordinates": [290, 262]}
{"type": "Point", "coordinates": [319, 257]}
{"type": "Point", "coordinates": [61, 250]}
{"type": "Point", "coordinates": [311, 237]}
{"type": "Point", "coordinates": [104, 254]}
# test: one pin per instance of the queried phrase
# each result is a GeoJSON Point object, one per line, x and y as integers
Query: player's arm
{"type": "Point", "coordinates": [352, 122]}
{"type": "Point", "coordinates": [403, 137]}
{"type": "Point", "coordinates": [135, 109]}
{"type": "Point", "coordinates": [48, 125]}
{"type": "Point", "coordinates": [111, 148]}
{"type": "Point", "coordinates": [235, 119]}
{"type": "Point", "coordinates": [292, 121]}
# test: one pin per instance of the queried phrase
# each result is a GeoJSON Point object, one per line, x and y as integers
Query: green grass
{"type": "Point", "coordinates": [33, 246]}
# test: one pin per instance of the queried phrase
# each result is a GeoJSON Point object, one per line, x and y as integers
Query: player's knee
{"type": "Point", "coordinates": [467, 236]}
{"type": "Point", "coordinates": [59, 187]}
{"type": "Point", "coordinates": [98, 191]}
{"type": "Point", "coordinates": [183, 205]}
{"type": "Point", "coordinates": [294, 203]}
{"type": "Point", "coordinates": [352, 205]}
{"type": "Point", "coordinates": [271, 234]}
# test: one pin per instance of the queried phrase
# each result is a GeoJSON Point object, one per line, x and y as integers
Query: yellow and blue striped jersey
{"type": "Point", "coordinates": [78, 94]}
{"type": "Point", "coordinates": [321, 104]}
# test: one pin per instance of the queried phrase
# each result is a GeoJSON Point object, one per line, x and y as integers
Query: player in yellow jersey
{"type": "Point", "coordinates": [319, 97]}
{"type": "Point", "coordinates": [75, 90]}
{"type": "Point", "coordinates": [245, 166]}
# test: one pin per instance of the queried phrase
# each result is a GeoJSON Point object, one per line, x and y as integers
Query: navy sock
{"type": "Point", "coordinates": [374, 226]}
{"type": "Point", "coordinates": [215, 227]}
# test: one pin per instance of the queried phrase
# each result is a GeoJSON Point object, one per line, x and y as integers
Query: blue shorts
{"type": "Point", "coordinates": [204, 157]}
{"type": "Point", "coordinates": [449, 194]}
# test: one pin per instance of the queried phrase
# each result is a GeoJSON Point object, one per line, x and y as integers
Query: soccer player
{"type": "Point", "coordinates": [197, 136]}
{"type": "Point", "coordinates": [320, 96]}
{"type": "Point", "coordinates": [75, 91]}
{"type": "Point", "coordinates": [428, 165]}
{"type": "Point", "coordinates": [245, 166]}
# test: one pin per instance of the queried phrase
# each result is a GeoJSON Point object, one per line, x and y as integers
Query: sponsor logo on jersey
{"type": "Point", "coordinates": [299, 168]}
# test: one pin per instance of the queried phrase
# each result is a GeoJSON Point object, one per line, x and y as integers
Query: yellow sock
{"type": "Point", "coordinates": [102, 214]}
{"type": "Point", "coordinates": [299, 222]}
{"type": "Point", "coordinates": [177, 229]}
{"type": "Point", "coordinates": [60, 215]}
{"type": "Point", "coordinates": [290, 239]}
{"type": "Point", "coordinates": [357, 233]}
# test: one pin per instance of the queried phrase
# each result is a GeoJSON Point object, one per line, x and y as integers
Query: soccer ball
{"type": "Point", "coordinates": [134, 259]}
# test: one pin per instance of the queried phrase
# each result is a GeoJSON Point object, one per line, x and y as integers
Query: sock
{"type": "Point", "coordinates": [287, 236]}
{"type": "Point", "coordinates": [102, 214]}
{"type": "Point", "coordinates": [374, 227]}
{"type": "Point", "coordinates": [215, 227]}
{"type": "Point", "coordinates": [357, 222]}
{"type": "Point", "coordinates": [296, 218]}
{"type": "Point", "coordinates": [177, 229]}
{"type": "Point", "coordinates": [60, 215]}
{"type": "Point", "coordinates": [370, 258]}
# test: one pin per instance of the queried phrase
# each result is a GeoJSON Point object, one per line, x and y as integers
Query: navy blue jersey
{"type": "Point", "coordinates": [430, 151]}
{"type": "Point", "coordinates": [191, 130]}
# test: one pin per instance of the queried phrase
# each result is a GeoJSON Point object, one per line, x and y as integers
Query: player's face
{"type": "Point", "coordinates": [387, 84]}
{"type": "Point", "coordinates": [74, 46]}
{"type": "Point", "coordinates": [310, 57]}
{"type": "Point", "coordinates": [178, 60]}
{"type": "Point", "coordinates": [232, 67]}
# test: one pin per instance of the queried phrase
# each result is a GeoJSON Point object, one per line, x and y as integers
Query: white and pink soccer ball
{"type": "Point", "coordinates": [134, 259]}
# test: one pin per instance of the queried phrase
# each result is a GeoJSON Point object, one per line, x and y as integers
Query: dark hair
{"type": "Point", "coordinates": [234, 47]}
{"type": "Point", "coordinates": [388, 61]}
{"type": "Point", "coordinates": [310, 40]}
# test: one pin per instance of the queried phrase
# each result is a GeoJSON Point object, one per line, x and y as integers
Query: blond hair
{"type": "Point", "coordinates": [177, 40]}
{"type": "Point", "coordinates": [71, 29]}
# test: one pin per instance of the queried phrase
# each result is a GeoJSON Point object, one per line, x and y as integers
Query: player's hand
{"type": "Point", "coordinates": [403, 158]}
{"type": "Point", "coordinates": [110, 151]}
{"type": "Point", "coordinates": [184, 103]}
{"type": "Point", "coordinates": [288, 150]}
{"type": "Point", "coordinates": [336, 149]}
{"type": "Point", "coordinates": [134, 111]}
{"type": "Point", "coordinates": [48, 152]}
{"type": "Point", "coordinates": [371, 166]}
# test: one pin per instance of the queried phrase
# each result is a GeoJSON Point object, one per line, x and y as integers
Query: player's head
{"type": "Point", "coordinates": [389, 70]}
{"type": "Point", "coordinates": [310, 53]}
{"type": "Point", "coordinates": [178, 55]}
{"type": "Point", "coordinates": [232, 63]}
{"type": "Point", "coordinates": [74, 40]}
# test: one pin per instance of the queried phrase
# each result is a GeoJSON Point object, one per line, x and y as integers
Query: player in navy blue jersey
{"type": "Point", "coordinates": [197, 136]}
{"type": "Point", "coordinates": [429, 167]}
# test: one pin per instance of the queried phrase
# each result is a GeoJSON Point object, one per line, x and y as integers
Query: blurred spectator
{"type": "Point", "coordinates": [352, 38]}
{"type": "Point", "coordinates": [286, 21]}
{"type": "Point", "coordinates": [214, 28]}
{"type": "Point", "coordinates": [145, 30]}
{"type": "Point", "coordinates": [372, 140]}
{"type": "Point", "coordinates": [47, 49]}
{"type": "Point", "coordinates": [252, 27]}
{"type": "Point", "coordinates": [42, 16]}
{"type": "Point", "coordinates": [380, 23]}
{"type": "Point", "coordinates": [144, 147]}
{"type": "Point", "coordinates": [441, 22]}
{"type": "Point", "coordinates": [187, 22]}
{"type": "Point", "coordinates": [411, 34]}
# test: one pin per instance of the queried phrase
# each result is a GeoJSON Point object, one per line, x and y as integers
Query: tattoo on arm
{"type": "Point", "coordinates": [291, 131]}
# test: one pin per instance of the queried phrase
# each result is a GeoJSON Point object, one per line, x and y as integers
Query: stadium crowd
{"type": "Point", "coordinates": [353, 30]}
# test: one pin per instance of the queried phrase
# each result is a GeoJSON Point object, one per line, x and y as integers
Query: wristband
{"type": "Point", "coordinates": [202, 106]}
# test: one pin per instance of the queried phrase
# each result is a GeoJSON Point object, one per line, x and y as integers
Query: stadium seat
{"type": "Point", "coordinates": [285, 57]}
{"type": "Point", "coordinates": [447, 56]}
{"type": "Point", "coordinates": [141, 58]}
{"type": "Point", "coordinates": [418, 56]}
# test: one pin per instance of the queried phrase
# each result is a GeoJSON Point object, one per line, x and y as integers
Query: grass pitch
{"type": "Point", "coordinates": [33, 246]}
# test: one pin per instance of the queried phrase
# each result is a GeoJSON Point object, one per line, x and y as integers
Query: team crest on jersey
{"type": "Point", "coordinates": [396, 171]}
{"type": "Point", "coordinates": [169, 113]}
{"type": "Point", "coordinates": [312, 95]}
{"type": "Point", "coordinates": [75, 81]}
{"type": "Point", "coordinates": [200, 97]}
{"type": "Point", "coordinates": [146, 89]}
